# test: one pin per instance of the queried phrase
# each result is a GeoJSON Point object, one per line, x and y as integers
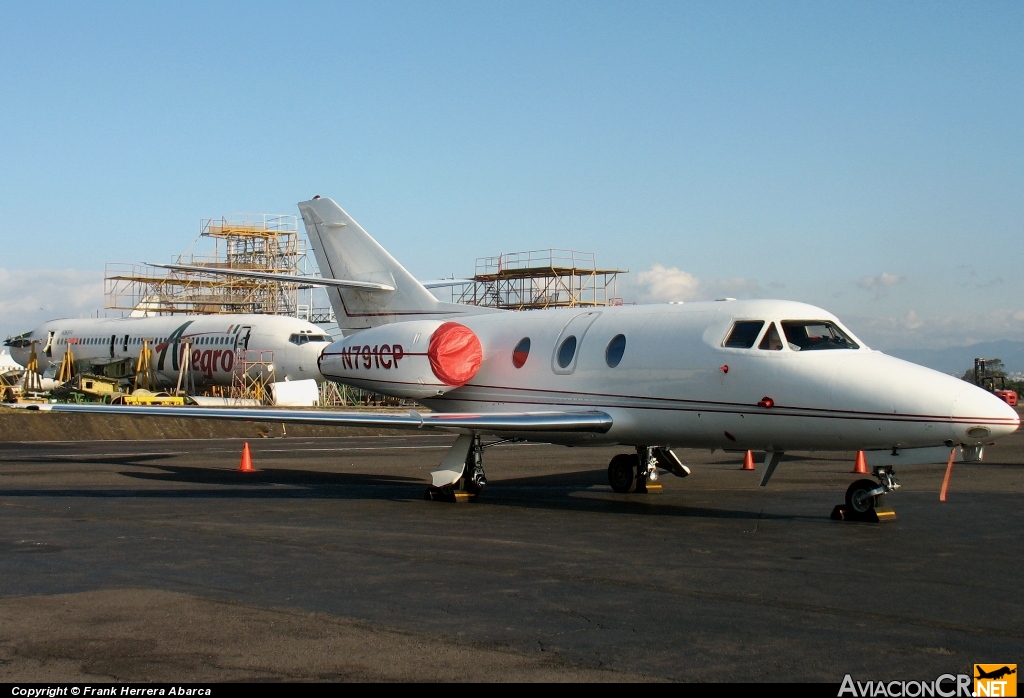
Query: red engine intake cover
{"type": "Point", "coordinates": [455, 354]}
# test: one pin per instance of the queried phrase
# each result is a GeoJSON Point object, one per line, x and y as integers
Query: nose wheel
{"type": "Point", "coordinates": [864, 498]}
{"type": "Point", "coordinates": [860, 498]}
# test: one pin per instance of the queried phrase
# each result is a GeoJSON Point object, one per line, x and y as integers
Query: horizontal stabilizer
{"type": "Point", "coordinates": [271, 276]}
{"type": "Point", "coordinates": [446, 283]}
{"type": "Point", "coordinates": [495, 422]}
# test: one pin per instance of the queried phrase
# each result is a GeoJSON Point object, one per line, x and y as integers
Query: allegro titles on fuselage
{"type": "Point", "coordinates": [215, 341]}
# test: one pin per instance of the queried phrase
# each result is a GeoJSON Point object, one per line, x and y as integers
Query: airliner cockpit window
{"type": "Point", "coordinates": [805, 335]}
{"type": "Point", "coordinates": [302, 338]}
{"type": "Point", "coordinates": [744, 334]}
{"type": "Point", "coordinates": [772, 341]}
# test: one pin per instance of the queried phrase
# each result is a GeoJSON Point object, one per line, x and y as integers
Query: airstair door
{"type": "Point", "coordinates": [242, 342]}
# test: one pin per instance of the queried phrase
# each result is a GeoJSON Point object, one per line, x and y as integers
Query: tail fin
{"type": "Point", "coordinates": [344, 250]}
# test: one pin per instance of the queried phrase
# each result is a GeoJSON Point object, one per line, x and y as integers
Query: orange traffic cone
{"type": "Point", "coordinates": [246, 465]}
{"type": "Point", "coordinates": [860, 467]}
{"type": "Point", "coordinates": [748, 461]}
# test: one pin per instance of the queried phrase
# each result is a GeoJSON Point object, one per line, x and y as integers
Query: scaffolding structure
{"type": "Point", "coordinates": [261, 242]}
{"type": "Point", "coordinates": [253, 373]}
{"type": "Point", "coordinates": [537, 279]}
{"type": "Point", "coordinates": [333, 394]}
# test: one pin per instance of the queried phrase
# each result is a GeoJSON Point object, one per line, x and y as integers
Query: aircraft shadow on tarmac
{"type": "Point", "coordinates": [130, 459]}
{"type": "Point", "coordinates": [555, 492]}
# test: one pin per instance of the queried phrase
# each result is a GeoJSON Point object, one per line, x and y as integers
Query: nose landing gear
{"type": "Point", "coordinates": [865, 499]}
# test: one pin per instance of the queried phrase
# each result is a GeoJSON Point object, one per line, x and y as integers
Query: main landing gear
{"type": "Point", "coordinates": [638, 472]}
{"type": "Point", "coordinates": [460, 477]}
{"type": "Point", "coordinates": [865, 499]}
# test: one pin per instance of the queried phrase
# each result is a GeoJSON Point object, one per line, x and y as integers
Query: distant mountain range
{"type": "Point", "coordinates": [956, 360]}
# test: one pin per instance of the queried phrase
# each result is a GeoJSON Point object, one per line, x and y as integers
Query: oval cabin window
{"type": "Point", "coordinates": [616, 347]}
{"type": "Point", "coordinates": [521, 352]}
{"type": "Point", "coordinates": [567, 351]}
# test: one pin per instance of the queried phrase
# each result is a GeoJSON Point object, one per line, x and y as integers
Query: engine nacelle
{"type": "Point", "coordinates": [417, 359]}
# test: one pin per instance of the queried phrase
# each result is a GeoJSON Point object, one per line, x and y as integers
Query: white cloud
{"type": "Point", "coordinates": [668, 283]}
{"type": "Point", "coordinates": [880, 282]}
{"type": "Point", "coordinates": [938, 331]}
{"type": "Point", "coordinates": [661, 283]}
{"type": "Point", "coordinates": [29, 298]}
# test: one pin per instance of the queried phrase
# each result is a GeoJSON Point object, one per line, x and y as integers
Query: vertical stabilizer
{"type": "Point", "coordinates": [345, 251]}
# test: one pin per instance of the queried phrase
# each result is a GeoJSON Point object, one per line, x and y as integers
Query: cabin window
{"type": "Point", "coordinates": [521, 353]}
{"type": "Point", "coordinates": [616, 347]}
{"type": "Point", "coordinates": [744, 334]}
{"type": "Point", "coordinates": [808, 335]}
{"type": "Point", "coordinates": [566, 351]}
{"type": "Point", "coordinates": [772, 341]}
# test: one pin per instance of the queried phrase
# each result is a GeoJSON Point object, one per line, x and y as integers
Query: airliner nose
{"type": "Point", "coordinates": [979, 416]}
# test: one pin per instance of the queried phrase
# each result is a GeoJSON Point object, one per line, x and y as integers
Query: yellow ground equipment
{"type": "Point", "coordinates": [67, 364]}
{"type": "Point", "coordinates": [86, 387]}
{"type": "Point", "coordinates": [145, 397]}
{"type": "Point", "coordinates": [33, 382]}
{"type": "Point", "coordinates": [145, 374]}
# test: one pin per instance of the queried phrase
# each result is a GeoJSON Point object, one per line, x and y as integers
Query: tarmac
{"type": "Point", "coordinates": [156, 561]}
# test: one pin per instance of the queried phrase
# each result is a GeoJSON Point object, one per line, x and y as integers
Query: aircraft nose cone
{"type": "Point", "coordinates": [979, 416]}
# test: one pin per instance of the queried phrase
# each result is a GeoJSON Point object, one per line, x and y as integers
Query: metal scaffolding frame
{"type": "Point", "coordinates": [252, 376]}
{"type": "Point", "coordinates": [251, 242]}
{"type": "Point", "coordinates": [536, 279]}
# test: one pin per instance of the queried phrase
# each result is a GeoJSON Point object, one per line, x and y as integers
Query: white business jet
{"type": "Point", "coordinates": [759, 375]}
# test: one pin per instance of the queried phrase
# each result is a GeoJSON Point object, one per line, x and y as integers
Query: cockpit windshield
{"type": "Point", "coordinates": [744, 334]}
{"type": "Point", "coordinates": [304, 338]}
{"type": "Point", "coordinates": [806, 335]}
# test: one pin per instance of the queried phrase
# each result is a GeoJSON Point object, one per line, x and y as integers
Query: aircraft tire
{"type": "Point", "coordinates": [622, 472]}
{"type": "Point", "coordinates": [856, 499]}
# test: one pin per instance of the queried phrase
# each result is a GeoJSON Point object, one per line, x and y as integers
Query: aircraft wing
{"type": "Point", "coordinates": [494, 422]}
{"type": "Point", "coordinates": [271, 276]}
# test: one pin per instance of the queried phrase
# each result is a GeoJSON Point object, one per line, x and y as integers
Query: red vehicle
{"type": "Point", "coordinates": [1008, 396]}
{"type": "Point", "coordinates": [988, 382]}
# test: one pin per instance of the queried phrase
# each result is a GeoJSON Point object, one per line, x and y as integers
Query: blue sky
{"type": "Point", "coordinates": [865, 157]}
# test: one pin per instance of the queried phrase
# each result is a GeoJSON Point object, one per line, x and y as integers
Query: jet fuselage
{"type": "Point", "coordinates": [666, 376]}
{"type": "Point", "coordinates": [215, 342]}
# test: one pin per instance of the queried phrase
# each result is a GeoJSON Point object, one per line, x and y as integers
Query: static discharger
{"type": "Point", "coordinates": [245, 466]}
